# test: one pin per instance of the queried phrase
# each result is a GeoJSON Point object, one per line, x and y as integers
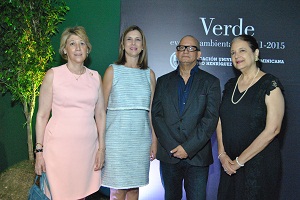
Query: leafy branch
{"type": "Point", "coordinates": [26, 51]}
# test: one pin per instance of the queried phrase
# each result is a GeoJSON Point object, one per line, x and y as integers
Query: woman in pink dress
{"type": "Point", "coordinates": [70, 145]}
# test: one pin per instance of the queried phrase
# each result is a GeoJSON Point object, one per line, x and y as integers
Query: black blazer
{"type": "Point", "coordinates": [192, 130]}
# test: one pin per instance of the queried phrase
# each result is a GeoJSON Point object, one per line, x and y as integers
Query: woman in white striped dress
{"type": "Point", "coordinates": [130, 140]}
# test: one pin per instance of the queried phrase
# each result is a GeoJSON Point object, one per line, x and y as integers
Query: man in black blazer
{"type": "Point", "coordinates": [184, 115]}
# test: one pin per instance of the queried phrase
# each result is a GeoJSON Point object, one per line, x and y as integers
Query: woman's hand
{"type": "Point", "coordinates": [39, 164]}
{"type": "Point", "coordinates": [228, 165]}
{"type": "Point", "coordinates": [99, 160]}
{"type": "Point", "coordinates": [153, 151]}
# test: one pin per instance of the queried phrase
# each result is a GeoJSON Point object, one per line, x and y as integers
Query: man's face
{"type": "Point", "coordinates": [188, 57]}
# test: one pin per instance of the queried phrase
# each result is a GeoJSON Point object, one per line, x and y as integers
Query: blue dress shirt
{"type": "Point", "coordinates": [184, 89]}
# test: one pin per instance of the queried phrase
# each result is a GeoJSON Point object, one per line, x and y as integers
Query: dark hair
{"type": "Point", "coordinates": [143, 58]}
{"type": "Point", "coordinates": [252, 44]}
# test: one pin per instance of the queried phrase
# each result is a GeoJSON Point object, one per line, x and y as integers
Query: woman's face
{"type": "Point", "coordinates": [241, 54]}
{"type": "Point", "coordinates": [76, 49]}
{"type": "Point", "coordinates": [133, 43]}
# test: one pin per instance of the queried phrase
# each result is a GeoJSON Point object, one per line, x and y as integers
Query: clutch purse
{"type": "Point", "coordinates": [37, 191]}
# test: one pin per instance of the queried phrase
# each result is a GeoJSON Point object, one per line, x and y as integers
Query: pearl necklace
{"type": "Point", "coordinates": [245, 90]}
{"type": "Point", "coordinates": [81, 72]}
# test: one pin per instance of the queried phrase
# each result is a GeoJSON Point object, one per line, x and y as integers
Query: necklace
{"type": "Point", "coordinates": [76, 77]}
{"type": "Point", "coordinates": [245, 90]}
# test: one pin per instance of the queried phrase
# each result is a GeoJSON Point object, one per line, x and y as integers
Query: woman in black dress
{"type": "Point", "coordinates": [251, 114]}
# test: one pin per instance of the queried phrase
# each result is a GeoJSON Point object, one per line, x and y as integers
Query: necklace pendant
{"type": "Point", "coordinates": [80, 73]}
{"type": "Point", "coordinates": [77, 77]}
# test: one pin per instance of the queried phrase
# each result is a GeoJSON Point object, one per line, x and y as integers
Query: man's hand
{"type": "Point", "coordinates": [179, 152]}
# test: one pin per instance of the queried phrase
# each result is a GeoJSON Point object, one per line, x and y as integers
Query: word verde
{"type": "Point", "coordinates": [226, 29]}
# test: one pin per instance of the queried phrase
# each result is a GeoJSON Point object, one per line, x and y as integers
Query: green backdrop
{"type": "Point", "coordinates": [101, 18]}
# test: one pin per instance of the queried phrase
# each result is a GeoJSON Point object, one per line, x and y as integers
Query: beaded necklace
{"type": "Point", "coordinates": [245, 90]}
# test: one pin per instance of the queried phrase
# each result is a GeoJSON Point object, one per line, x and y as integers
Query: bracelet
{"type": "Point", "coordinates": [38, 150]}
{"type": "Point", "coordinates": [237, 161]}
{"type": "Point", "coordinates": [221, 154]}
{"type": "Point", "coordinates": [38, 144]}
{"type": "Point", "coordinates": [101, 149]}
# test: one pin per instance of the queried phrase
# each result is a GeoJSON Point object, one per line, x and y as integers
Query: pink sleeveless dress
{"type": "Point", "coordinates": [71, 139]}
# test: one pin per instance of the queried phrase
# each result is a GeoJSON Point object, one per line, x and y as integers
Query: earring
{"type": "Point", "coordinates": [256, 58]}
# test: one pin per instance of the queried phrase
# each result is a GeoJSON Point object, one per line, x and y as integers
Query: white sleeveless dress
{"type": "Point", "coordinates": [128, 132]}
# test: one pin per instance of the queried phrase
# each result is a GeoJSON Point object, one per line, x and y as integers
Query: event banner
{"type": "Point", "coordinates": [275, 25]}
{"type": "Point", "coordinates": [214, 24]}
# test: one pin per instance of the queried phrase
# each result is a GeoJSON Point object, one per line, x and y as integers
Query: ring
{"type": "Point", "coordinates": [225, 170]}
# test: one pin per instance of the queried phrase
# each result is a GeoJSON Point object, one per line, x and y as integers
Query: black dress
{"type": "Point", "coordinates": [241, 124]}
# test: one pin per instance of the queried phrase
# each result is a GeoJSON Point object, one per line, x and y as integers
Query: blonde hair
{"type": "Point", "coordinates": [78, 31]}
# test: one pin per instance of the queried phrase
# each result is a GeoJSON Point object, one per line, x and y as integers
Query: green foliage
{"type": "Point", "coordinates": [26, 51]}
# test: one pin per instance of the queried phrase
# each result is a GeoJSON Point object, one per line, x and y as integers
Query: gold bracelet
{"type": "Point", "coordinates": [38, 144]}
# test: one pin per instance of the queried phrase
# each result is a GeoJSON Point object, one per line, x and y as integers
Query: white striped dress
{"type": "Point", "coordinates": [128, 133]}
